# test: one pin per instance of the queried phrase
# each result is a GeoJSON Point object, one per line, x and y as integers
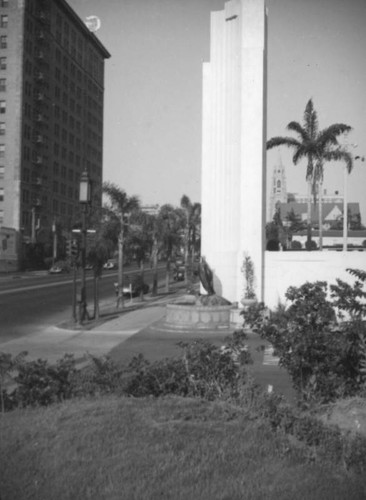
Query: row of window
{"type": "Point", "coordinates": [73, 43]}
{"type": "Point", "coordinates": [58, 207]}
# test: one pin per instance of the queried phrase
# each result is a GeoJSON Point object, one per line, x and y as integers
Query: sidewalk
{"type": "Point", "coordinates": [139, 329]}
{"type": "Point", "coordinates": [95, 338]}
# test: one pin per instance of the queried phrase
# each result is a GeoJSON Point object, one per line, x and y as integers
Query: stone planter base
{"type": "Point", "coordinates": [187, 315]}
{"type": "Point", "coordinates": [236, 320]}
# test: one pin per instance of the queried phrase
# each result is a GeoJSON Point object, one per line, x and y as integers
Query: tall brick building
{"type": "Point", "coordinates": [51, 120]}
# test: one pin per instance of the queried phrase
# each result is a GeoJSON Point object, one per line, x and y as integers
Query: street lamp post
{"type": "Point", "coordinates": [84, 199]}
{"type": "Point", "coordinates": [54, 242]}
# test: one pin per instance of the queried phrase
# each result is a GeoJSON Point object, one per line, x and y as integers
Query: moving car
{"type": "Point", "coordinates": [133, 286]}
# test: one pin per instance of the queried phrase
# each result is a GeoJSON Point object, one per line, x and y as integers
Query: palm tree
{"type": "Point", "coordinates": [140, 240]}
{"type": "Point", "coordinates": [120, 207]}
{"type": "Point", "coordinates": [314, 145]}
{"type": "Point", "coordinates": [193, 213]}
{"type": "Point", "coordinates": [168, 231]}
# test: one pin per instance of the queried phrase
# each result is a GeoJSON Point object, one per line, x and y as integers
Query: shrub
{"type": "Point", "coordinates": [296, 245]}
{"type": "Point", "coordinates": [311, 245]}
{"type": "Point", "coordinates": [39, 383]}
{"type": "Point", "coordinates": [8, 368]}
{"type": "Point", "coordinates": [325, 359]}
{"type": "Point", "coordinates": [204, 370]}
{"type": "Point", "coordinates": [100, 376]}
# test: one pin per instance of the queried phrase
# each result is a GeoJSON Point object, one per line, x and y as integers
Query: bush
{"type": "Point", "coordinates": [311, 245]}
{"type": "Point", "coordinates": [296, 245]}
{"type": "Point", "coordinates": [40, 384]}
{"type": "Point", "coordinates": [203, 370]}
{"type": "Point", "coordinates": [325, 359]}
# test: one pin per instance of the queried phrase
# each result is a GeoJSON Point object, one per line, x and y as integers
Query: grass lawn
{"type": "Point", "coordinates": [168, 448]}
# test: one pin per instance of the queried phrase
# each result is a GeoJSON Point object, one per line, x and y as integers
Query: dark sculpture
{"type": "Point", "coordinates": [206, 276]}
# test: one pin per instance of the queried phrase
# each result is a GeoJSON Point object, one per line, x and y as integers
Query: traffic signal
{"type": "Point", "coordinates": [72, 248]}
{"type": "Point", "coordinates": [68, 248]}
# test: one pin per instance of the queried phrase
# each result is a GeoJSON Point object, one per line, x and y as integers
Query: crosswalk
{"type": "Point", "coordinates": [269, 358]}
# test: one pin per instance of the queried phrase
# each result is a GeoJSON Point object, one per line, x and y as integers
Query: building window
{"type": "Point", "coordinates": [1, 194]}
{"type": "Point", "coordinates": [4, 21]}
{"type": "Point", "coordinates": [2, 107]}
{"type": "Point", "coordinates": [4, 3]}
{"type": "Point", "coordinates": [3, 42]}
{"type": "Point", "coordinates": [2, 84]}
{"type": "Point", "coordinates": [2, 171]}
{"type": "Point", "coordinates": [2, 150]}
{"type": "Point", "coordinates": [2, 128]}
{"type": "Point", "coordinates": [2, 63]}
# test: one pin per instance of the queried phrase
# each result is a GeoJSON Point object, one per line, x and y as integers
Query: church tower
{"type": "Point", "coordinates": [278, 191]}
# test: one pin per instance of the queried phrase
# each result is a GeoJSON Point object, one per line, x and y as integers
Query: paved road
{"type": "Point", "coordinates": [30, 302]}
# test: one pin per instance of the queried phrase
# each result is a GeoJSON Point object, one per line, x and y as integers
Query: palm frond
{"type": "Point", "coordinates": [119, 199]}
{"type": "Point", "coordinates": [340, 154]}
{"type": "Point", "coordinates": [282, 141]}
{"type": "Point", "coordinates": [311, 120]}
{"type": "Point", "coordinates": [185, 202]}
{"type": "Point", "coordinates": [359, 273]}
{"type": "Point", "coordinates": [296, 127]}
{"type": "Point", "coordinates": [330, 134]}
{"type": "Point", "coordinates": [299, 154]}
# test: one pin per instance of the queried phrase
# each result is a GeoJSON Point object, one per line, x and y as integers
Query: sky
{"type": "Point", "coordinates": [153, 88]}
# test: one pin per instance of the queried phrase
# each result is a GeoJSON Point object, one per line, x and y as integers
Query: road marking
{"type": "Point", "coordinates": [269, 358]}
{"type": "Point", "coordinates": [25, 288]}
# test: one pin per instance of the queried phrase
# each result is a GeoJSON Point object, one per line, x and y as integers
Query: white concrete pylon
{"type": "Point", "coordinates": [233, 145]}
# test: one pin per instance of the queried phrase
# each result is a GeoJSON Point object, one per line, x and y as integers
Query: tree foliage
{"type": "Point", "coordinates": [316, 147]}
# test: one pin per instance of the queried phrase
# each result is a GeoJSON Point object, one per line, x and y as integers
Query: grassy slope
{"type": "Point", "coordinates": [117, 448]}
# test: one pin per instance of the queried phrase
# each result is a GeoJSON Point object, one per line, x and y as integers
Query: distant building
{"type": "Point", "coordinates": [332, 213]}
{"type": "Point", "coordinates": [51, 116]}
{"type": "Point", "coordinates": [278, 191]}
{"type": "Point", "coordinates": [151, 209]}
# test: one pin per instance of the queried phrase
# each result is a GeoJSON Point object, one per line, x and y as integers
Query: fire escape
{"type": "Point", "coordinates": [40, 124]}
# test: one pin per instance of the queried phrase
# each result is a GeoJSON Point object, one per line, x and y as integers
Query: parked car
{"type": "Point", "coordinates": [179, 273]}
{"type": "Point", "coordinates": [133, 286]}
{"type": "Point", "coordinates": [59, 268]}
{"type": "Point", "coordinates": [110, 264]}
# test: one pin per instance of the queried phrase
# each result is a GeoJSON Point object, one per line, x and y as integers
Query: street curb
{"type": "Point", "coordinates": [111, 312]}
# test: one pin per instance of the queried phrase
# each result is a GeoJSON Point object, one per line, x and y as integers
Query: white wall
{"type": "Point", "coordinates": [285, 269]}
